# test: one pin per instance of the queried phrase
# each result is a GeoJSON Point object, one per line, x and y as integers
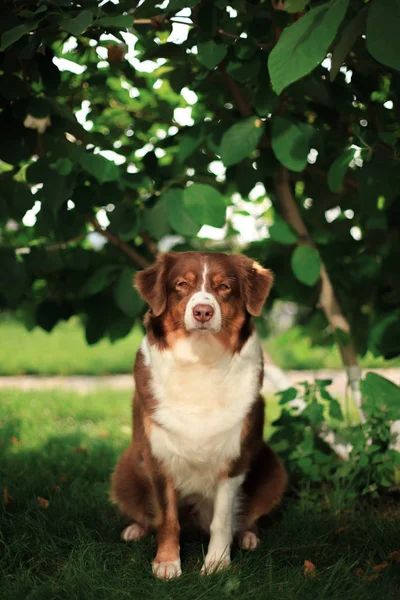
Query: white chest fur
{"type": "Point", "coordinates": [203, 395]}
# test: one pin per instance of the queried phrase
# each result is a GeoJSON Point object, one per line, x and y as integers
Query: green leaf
{"type": "Point", "coordinates": [16, 33]}
{"type": "Point", "coordinates": [335, 410]}
{"type": "Point", "coordinates": [210, 53]}
{"type": "Point", "coordinates": [64, 166]}
{"type": "Point", "coordinates": [205, 204]}
{"type": "Point", "coordinates": [100, 280]}
{"type": "Point", "coordinates": [342, 337]}
{"type": "Point", "coordinates": [290, 143]}
{"type": "Point", "coordinates": [305, 43]}
{"type": "Point", "coordinates": [287, 395]}
{"type": "Point", "coordinates": [155, 220]}
{"type": "Point", "coordinates": [57, 189]}
{"type": "Point", "coordinates": [245, 48]}
{"type": "Point", "coordinates": [348, 36]}
{"type": "Point", "coordinates": [124, 221]}
{"type": "Point", "coordinates": [13, 275]}
{"type": "Point", "coordinates": [306, 265]}
{"type": "Point", "coordinates": [188, 144]}
{"type": "Point", "coordinates": [281, 232]}
{"type": "Point", "coordinates": [100, 167]}
{"type": "Point", "coordinates": [383, 26]}
{"type": "Point", "coordinates": [125, 295]}
{"type": "Point", "coordinates": [119, 21]}
{"type": "Point", "coordinates": [240, 140]}
{"type": "Point", "coordinates": [315, 412]}
{"type": "Point", "coordinates": [294, 6]}
{"type": "Point", "coordinates": [79, 24]}
{"type": "Point", "coordinates": [265, 101]}
{"type": "Point", "coordinates": [379, 392]}
{"type": "Point", "coordinates": [243, 71]}
{"type": "Point", "coordinates": [338, 169]}
{"type": "Point", "coordinates": [177, 215]}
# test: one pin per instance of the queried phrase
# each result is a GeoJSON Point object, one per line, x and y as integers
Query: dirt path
{"type": "Point", "coordinates": [84, 384]}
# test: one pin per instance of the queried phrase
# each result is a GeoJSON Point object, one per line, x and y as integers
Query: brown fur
{"type": "Point", "coordinates": [141, 485]}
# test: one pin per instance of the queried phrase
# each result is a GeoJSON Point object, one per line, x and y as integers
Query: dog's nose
{"type": "Point", "coordinates": [203, 312]}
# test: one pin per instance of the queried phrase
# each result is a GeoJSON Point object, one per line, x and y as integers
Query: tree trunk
{"type": "Point", "coordinates": [327, 299]}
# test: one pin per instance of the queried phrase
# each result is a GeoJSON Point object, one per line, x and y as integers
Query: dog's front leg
{"type": "Point", "coordinates": [167, 563]}
{"type": "Point", "coordinates": [221, 529]}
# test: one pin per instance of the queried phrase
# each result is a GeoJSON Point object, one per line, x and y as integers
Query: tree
{"type": "Point", "coordinates": [301, 96]}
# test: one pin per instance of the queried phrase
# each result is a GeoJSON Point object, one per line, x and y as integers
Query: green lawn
{"type": "Point", "coordinates": [64, 351]}
{"type": "Point", "coordinates": [61, 447]}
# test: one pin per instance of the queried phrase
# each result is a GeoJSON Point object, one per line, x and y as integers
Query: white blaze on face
{"type": "Point", "coordinates": [203, 297]}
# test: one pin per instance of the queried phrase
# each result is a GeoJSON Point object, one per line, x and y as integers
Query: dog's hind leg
{"type": "Point", "coordinates": [263, 488]}
{"type": "Point", "coordinates": [133, 492]}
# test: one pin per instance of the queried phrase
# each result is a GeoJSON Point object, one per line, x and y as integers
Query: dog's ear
{"type": "Point", "coordinates": [256, 284]}
{"type": "Point", "coordinates": [152, 285]}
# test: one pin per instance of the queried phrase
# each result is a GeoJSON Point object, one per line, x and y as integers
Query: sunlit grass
{"type": "Point", "coordinates": [61, 447]}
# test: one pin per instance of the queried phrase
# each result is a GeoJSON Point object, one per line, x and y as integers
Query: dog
{"type": "Point", "coordinates": [197, 447]}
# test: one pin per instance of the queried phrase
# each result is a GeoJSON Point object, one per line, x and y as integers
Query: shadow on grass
{"type": "Point", "coordinates": [71, 549]}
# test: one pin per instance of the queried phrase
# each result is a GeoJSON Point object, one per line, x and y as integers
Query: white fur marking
{"type": "Point", "coordinates": [203, 395]}
{"type": "Point", "coordinates": [219, 548]}
{"type": "Point", "coordinates": [203, 297]}
{"type": "Point", "coordinates": [204, 276]}
{"type": "Point", "coordinates": [167, 570]}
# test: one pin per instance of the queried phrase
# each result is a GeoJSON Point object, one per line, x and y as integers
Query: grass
{"type": "Point", "coordinates": [293, 350]}
{"type": "Point", "coordinates": [64, 351]}
{"type": "Point", "coordinates": [62, 447]}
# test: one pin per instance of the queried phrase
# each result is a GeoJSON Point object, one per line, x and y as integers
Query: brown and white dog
{"type": "Point", "coordinates": [198, 415]}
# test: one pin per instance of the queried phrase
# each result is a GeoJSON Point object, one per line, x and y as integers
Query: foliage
{"type": "Point", "coordinates": [262, 99]}
{"type": "Point", "coordinates": [64, 351]}
{"type": "Point", "coordinates": [61, 446]}
{"type": "Point", "coordinates": [373, 465]}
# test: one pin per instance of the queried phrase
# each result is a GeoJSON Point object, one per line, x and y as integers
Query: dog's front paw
{"type": "Point", "coordinates": [167, 569]}
{"type": "Point", "coordinates": [215, 562]}
{"type": "Point", "coordinates": [249, 541]}
{"type": "Point", "coordinates": [133, 532]}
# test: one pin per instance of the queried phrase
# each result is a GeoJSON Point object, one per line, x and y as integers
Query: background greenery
{"type": "Point", "coordinates": [99, 143]}
{"type": "Point", "coordinates": [268, 127]}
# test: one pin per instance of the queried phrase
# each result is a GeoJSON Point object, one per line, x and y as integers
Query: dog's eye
{"type": "Point", "coordinates": [223, 287]}
{"type": "Point", "coordinates": [182, 284]}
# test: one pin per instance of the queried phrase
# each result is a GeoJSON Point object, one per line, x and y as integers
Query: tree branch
{"type": "Point", "coordinates": [156, 22]}
{"type": "Point", "coordinates": [327, 299]}
{"type": "Point", "coordinates": [242, 103]}
{"type": "Point", "coordinates": [116, 241]}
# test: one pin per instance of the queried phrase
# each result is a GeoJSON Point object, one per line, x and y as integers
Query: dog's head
{"type": "Point", "coordinates": [204, 292]}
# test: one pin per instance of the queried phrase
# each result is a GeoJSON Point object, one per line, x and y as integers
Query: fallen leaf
{"type": "Point", "coordinates": [381, 567]}
{"type": "Point", "coordinates": [43, 502]}
{"type": "Point", "coordinates": [309, 569]}
{"type": "Point", "coordinates": [395, 556]}
{"type": "Point", "coordinates": [359, 572]}
{"type": "Point", "coordinates": [104, 434]}
{"type": "Point", "coordinates": [373, 577]}
{"type": "Point", "coordinates": [78, 449]}
{"type": "Point", "coordinates": [341, 529]}
{"type": "Point", "coordinates": [14, 441]}
{"type": "Point", "coordinates": [7, 497]}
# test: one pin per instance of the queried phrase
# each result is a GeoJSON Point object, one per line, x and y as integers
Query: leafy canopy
{"type": "Point", "coordinates": [93, 140]}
